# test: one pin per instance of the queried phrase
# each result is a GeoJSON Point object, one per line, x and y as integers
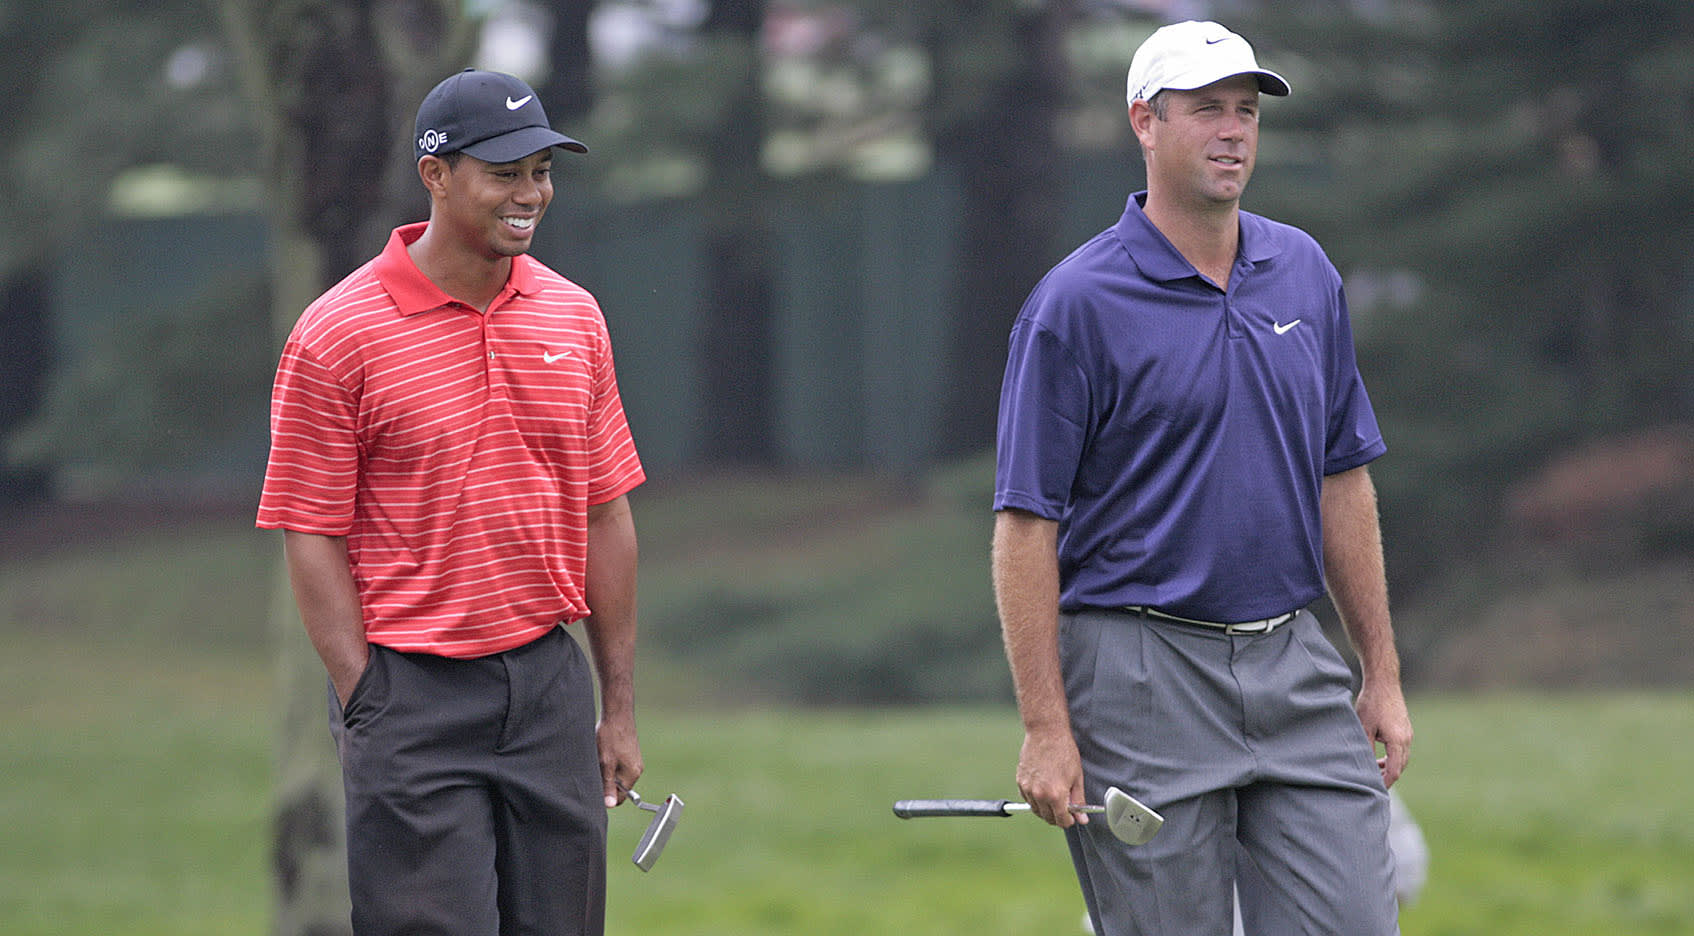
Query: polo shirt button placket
{"type": "Point", "coordinates": [1234, 326]}
{"type": "Point", "coordinates": [494, 378]}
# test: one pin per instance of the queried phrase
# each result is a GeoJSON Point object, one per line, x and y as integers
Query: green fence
{"type": "Point", "coordinates": [862, 305]}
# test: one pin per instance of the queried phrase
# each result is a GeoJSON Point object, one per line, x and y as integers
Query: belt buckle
{"type": "Point", "coordinates": [1259, 627]}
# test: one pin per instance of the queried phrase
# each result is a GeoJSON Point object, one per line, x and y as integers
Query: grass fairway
{"type": "Point", "coordinates": [135, 770]}
{"type": "Point", "coordinates": [1554, 814]}
{"type": "Point", "coordinates": [134, 790]}
{"type": "Point", "coordinates": [143, 812]}
{"type": "Point", "coordinates": [789, 830]}
{"type": "Point", "coordinates": [1543, 815]}
{"type": "Point", "coordinates": [135, 757]}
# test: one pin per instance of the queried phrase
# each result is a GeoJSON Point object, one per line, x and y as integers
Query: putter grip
{"type": "Point", "coordinates": [912, 809]}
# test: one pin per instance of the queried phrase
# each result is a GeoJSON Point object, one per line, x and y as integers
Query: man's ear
{"type": "Point", "coordinates": [433, 171]}
{"type": "Point", "coordinates": [1141, 119]}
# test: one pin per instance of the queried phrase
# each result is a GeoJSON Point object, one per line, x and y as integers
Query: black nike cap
{"type": "Point", "coordinates": [489, 115]}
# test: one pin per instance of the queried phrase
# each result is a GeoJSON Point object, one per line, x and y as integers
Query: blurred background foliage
{"type": "Point", "coordinates": [811, 224]}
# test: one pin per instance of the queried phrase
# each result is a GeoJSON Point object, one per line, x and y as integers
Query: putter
{"type": "Point", "coordinates": [1132, 822]}
{"type": "Point", "coordinates": [658, 831]}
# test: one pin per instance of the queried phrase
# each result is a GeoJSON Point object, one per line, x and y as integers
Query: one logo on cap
{"type": "Point", "coordinates": [514, 105]}
{"type": "Point", "coordinates": [432, 140]}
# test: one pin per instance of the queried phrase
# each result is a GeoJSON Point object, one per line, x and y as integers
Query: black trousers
{"type": "Point", "coordinates": [474, 800]}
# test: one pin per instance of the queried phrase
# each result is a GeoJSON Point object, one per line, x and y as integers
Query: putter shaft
{"type": "Point", "coordinates": [1075, 807]}
{"type": "Point", "coordinates": [1129, 820]}
{"type": "Point", "coordinates": [909, 809]}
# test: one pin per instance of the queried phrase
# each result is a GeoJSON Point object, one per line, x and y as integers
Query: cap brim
{"type": "Point", "coordinates": [511, 147]}
{"type": "Point", "coordinates": [1272, 83]}
{"type": "Point", "coordinates": [1269, 82]}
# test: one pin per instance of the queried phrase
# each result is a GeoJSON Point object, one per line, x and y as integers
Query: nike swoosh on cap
{"type": "Point", "coordinates": [514, 105]}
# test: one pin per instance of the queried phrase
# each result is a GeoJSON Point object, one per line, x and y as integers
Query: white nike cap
{"type": "Point", "coordinates": [1185, 56]}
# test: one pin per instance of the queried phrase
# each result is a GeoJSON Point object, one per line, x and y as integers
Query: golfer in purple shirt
{"type": "Point", "coordinates": [1183, 442]}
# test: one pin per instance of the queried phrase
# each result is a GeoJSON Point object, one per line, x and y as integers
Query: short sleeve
{"type": "Point", "coordinates": [312, 474]}
{"type": "Point", "coordinates": [613, 464]}
{"type": "Point", "coordinates": [1352, 436]}
{"type": "Point", "coordinates": [1042, 425]}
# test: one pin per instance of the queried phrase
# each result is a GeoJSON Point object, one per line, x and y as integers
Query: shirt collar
{"type": "Point", "coordinates": [413, 292]}
{"type": "Point", "coordinates": [1158, 260]}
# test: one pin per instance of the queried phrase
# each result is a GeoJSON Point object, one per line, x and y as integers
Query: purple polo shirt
{"type": "Point", "coordinates": [1180, 433]}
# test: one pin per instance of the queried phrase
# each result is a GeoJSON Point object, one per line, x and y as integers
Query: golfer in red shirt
{"type": "Point", "coordinates": [450, 463]}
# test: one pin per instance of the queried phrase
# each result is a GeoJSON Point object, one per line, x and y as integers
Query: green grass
{"type": "Point", "coordinates": [136, 711]}
{"type": "Point", "coordinates": [135, 722]}
{"type": "Point", "coordinates": [788, 829]}
{"type": "Point", "coordinates": [141, 808]}
{"type": "Point", "coordinates": [1555, 813]}
{"type": "Point", "coordinates": [134, 792]}
{"type": "Point", "coordinates": [1542, 814]}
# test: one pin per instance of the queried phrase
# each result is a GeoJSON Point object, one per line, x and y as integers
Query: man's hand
{"type": "Point", "coordinates": [1026, 593]}
{"type": "Point", "coordinates": [1352, 559]}
{"type": "Point", "coordinates": [620, 758]}
{"type": "Point", "coordinates": [610, 628]}
{"type": "Point", "coordinates": [346, 675]}
{"type": "Point", "coordinates": [1050, 777]}
{"type": "Point", "coordinates": [1383, 713]}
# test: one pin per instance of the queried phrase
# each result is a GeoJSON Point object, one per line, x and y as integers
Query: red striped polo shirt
{"type": "Point", "coordinates": [457, 451]}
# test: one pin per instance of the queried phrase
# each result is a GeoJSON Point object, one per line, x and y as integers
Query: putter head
{"type": "Point", "coordinates": [658, 831]}
{"type": "Point", "coordinates": [1129, 819]}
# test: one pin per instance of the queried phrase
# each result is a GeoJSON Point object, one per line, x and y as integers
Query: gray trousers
{"type": "Point", "coordinates": [1249, 747]}
{"type": "Point", "coordinates": [474, 803]}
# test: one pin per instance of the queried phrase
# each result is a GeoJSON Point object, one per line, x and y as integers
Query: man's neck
{"type": "Point", "coordinates": [1207, 237]}
{"type": "Point", "coordinates": [473, 279]}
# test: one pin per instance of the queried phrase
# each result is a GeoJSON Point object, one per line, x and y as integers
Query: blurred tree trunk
{"type": "Point", "coordinates": [737, 388]}
{"type": "Point", "coordinates": [336, 85]}
{"type": "Point", "coordinates": [24, 359]}
{"type": "Point", "coordinates": [996, 125]}
{"type": "Point", "coordinates": [568, 94]}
